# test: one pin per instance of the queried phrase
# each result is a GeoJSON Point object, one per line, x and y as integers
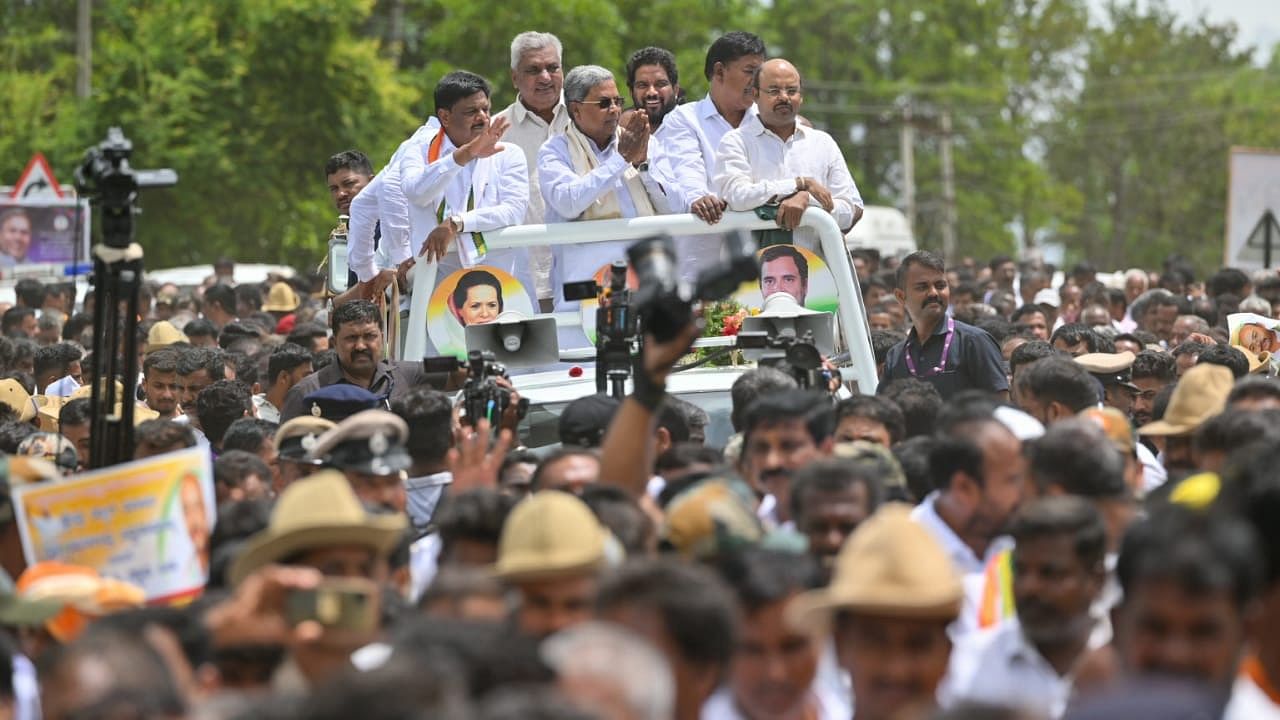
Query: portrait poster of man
{"type": "Point", "coordinates": [794, 270]}
{"type": "Point", "coordinates": [43, 232]}
{"type": "Point", "coordinates": [146, 522]}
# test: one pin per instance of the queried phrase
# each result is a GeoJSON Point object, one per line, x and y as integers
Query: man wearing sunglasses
{"type": "Point", "coordinates": [597, 170]}
{"type": "Point", "coordinates": [771, 159]}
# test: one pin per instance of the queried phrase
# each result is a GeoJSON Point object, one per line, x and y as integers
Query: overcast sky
{"type": "Point", "coordinates": [1258, 20]}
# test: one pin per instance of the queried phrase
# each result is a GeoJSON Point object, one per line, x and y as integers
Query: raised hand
{"type": "Point", "coordinates": [633, 144]}
{"type": "Point", "coordinates": [485, 144]}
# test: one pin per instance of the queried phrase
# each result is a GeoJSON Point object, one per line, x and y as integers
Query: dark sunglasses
{"type": "Point", "coordinates": [603, 103]}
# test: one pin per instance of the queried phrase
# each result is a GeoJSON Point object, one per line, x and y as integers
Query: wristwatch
{"type": "Point", "coordinates": [456, 222]}
{"type": "Point", "coordinates": [642, 167]}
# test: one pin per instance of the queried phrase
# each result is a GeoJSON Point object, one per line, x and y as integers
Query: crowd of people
{"type": "Point", "coordinates": [1060, 500]}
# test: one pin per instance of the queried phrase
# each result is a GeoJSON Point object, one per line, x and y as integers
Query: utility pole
{"type": "Point", "coordinates": [907, 141]}
{"type": "Point", "coordinates": [948, 193]}
{"type": "Point", "coordinates": [84, 47]}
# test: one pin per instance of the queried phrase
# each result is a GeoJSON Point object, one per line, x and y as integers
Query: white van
{"type": "Point", "coordinates": [882, 228]}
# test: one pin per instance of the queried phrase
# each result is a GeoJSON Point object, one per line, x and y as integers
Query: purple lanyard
{"type": "Point", "coordinates": [942, 360]}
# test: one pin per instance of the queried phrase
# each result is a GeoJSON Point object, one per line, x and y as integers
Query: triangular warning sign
{"type": "Point", "coordinates": [37, 182]}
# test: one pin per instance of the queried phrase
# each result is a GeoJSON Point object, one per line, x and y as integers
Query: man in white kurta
{"type": "Point", "coordinates": [462, 183]}
{"type": "Point", "coordinates": [595, 171]}
{"type": "Point", "coordinates": [690, 135]}
{"type": "Point", "coordinates": [773, 159]}
{"type": "Point", "coordinates": [537, 114]}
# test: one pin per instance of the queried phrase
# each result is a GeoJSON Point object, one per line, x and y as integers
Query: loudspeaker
{"type": "Point", "coordinates": [783, 316]}
{"type": "Point", "coordinates": [516, 340]}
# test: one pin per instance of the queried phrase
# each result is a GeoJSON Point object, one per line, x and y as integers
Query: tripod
{"type": "Point", "coordinates": [106, 178]}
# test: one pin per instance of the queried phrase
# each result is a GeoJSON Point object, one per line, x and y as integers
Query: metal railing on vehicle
{"type": "Point", "coordinates": [852, 316]}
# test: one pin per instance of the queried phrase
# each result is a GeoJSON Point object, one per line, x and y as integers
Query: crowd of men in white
{"type": "Point", "coordinates": [568, 150]}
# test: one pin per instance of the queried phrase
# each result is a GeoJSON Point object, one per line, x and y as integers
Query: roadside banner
{"type": "Point", "coordinates": [145, 522]}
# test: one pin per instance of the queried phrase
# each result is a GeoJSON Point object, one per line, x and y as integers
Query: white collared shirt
{"type": "Point", "coordinates": [962, 557]}
{"type": "Point", "coordinates": [383, 201]}
{"type": "Point", "coordinates": [999, 666]}
{"type": "Point", "coordinates": [568, 195]}
{"type": "Point", "coordinates": [692, 133]}
{"type": "Point", "coordinates": [754, 167]}
{"type": "Point", "coordinates": [1250, 702]}
{"type": "Point", "coordinates": [528, 132]}
{"type": "Point", "coordinates": [500, 184]}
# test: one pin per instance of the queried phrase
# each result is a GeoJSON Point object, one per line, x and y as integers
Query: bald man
{"type": "Point", "coordinates": [772, 157]}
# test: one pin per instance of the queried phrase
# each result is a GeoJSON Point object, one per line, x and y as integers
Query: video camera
{"type": "Point", "coordinates": [797, 357]}
{"type": "Point", "coordinates": [482, 397]}
{"type": "Point", "coordinates": [106, 178]}
{"type": "Point", "coordinates": [662, 304]}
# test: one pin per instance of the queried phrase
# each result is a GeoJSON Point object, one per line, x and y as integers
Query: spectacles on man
{"type": "Point", "coordinates": [603, 103]}
{"type": "Point", "coordinates": [776, 91]}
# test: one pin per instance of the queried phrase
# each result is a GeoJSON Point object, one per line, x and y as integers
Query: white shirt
{"type": "Point", "coordinates": [568, 195]}
{"type": "Point", "coordinates": [754, 167]}
{"type": "Point", "coordinates": [692, 133]}
{"type": "Point", "coordinates": [529, 131]}
{"type": "Point", "coordinates": [998, 666]}
{"type": "Point", "coordinates": [500, 183]}
{"type": "Point", "coordinates": [383, 200]}
{"type": "Point", "coordinates": [962, 557]}
{"type": "Point", "coordinates": [266, 411]}
{"type": "Point", "coordinates": [1249, 702]}
{"type": "Point", "coordinates": [720, 706]}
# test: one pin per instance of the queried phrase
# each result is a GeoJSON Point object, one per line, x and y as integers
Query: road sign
{"type": "Point", "coordinates": [37, 182]}
{"type": "Point", "coordinates": [1253, 192]}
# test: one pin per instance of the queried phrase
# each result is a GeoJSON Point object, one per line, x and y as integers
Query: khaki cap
{"type": "Point", "coordinates": [317, 512]}
{"type": "Point", "coordinates": [281, 298]}
{"type": "Point", "coordinates": [295, 438]}
{"type": "Point", "coordinates": [1109, 368]}
{"type": "Point", "coordinates": [891, 566]}
{"type": "Point", "coordinates": [1259, 363]}
{"type": "Point", "coordinates": [15, 396]}
{"type": "Point", "coordinates": [163, 334]}
{"type": "Point", "coordinates": [711, 518]}
{"type": "Point", "coordinates": [551, 534]}
{"type": "Point", "coordinates": [1199, 395]}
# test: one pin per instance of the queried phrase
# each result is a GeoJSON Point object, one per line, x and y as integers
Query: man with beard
{"type": "Point", "coordinates": [979, 472]}
{"type": "Point", "coordinates": [772, 158]}
{"type": "Point", "coordinates": [1152, 372]}
{"type": "Point", "coordinates": [693, 132]}
{"type": "Point", "coordinates": [538, 114]}
{"type": "Point", "coordinates": [596, 170]}
{"type": "Point", "coordinates": [952, 356]}
{"type": "Point", "coordinates": [654, 83]}
{"type": "Point", "coordinates": [466, 184]}
{"type": "Point", "coordinates": [357, 340]}
{"type": "Point", "coordinates": [1058, 572]}
{"type": "Point", "coordinates": [783, 433]}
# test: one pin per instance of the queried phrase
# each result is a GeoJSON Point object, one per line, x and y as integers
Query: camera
{"type": "Point", "coordinates": [617, 328]}
{"type": "Point", "coordinates": [482, 396]}
{"type": "Point", "coordinates": [663, 302]}
{"type": "Point", "coordinates": [797, 357]}
{"type": "Point", "coordinates": [106, 178]}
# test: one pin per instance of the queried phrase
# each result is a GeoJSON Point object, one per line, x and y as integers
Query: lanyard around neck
{"type": "Point", "coordinates": [942, 359]}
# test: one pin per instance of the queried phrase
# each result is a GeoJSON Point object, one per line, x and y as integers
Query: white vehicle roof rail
{"type": "Point", "coordinates": [852, 315]}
